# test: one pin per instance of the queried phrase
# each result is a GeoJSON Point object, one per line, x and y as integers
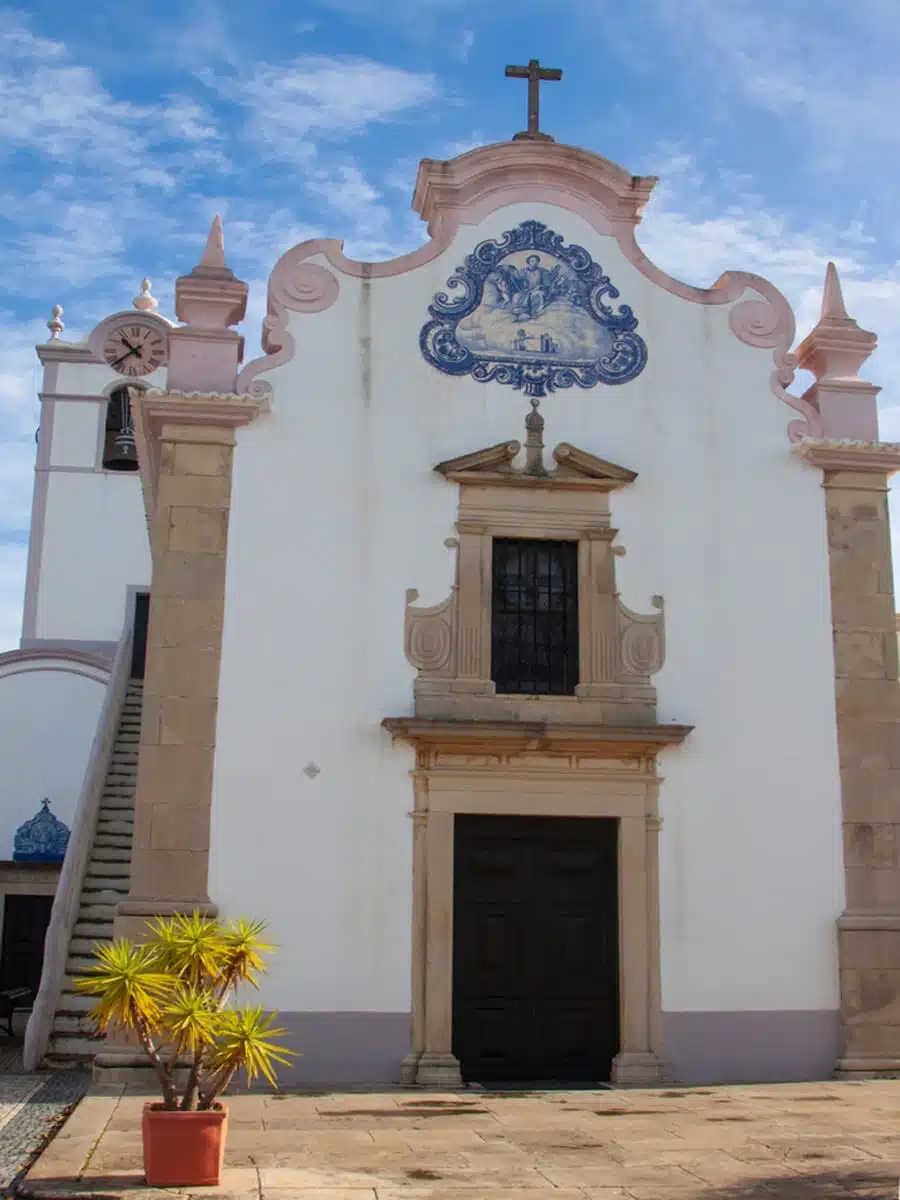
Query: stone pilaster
{"type": "Point", "coordinates": [186, 445]}
{"type": "Point", "coordinates": [181, 683]}
{"type": "Point", "coordinates": [856, 468]}
{"type": "Point", "coordinates": [868, 719]}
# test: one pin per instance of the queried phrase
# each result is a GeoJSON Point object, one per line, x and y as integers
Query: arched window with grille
{"type": "Point", "coordinates": [119, 448]}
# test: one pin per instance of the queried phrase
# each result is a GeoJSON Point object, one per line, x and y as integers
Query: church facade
{"type": "Point", "coordinates": [520, 646]}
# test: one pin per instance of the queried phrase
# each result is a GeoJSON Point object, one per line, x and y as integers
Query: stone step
{"type": "Point", "coordinates": [106, 897]}
{"type": "Point", "coordinates": [100, 875]}
{"type": "Point", "coordinates": [97, 912]}
{"type": "Point", "coordinates": [96, 890]}
{"type": "Point", "coordinates": [79, 964]}
{"type": "Point", "coordinates": [108, 870]}
{"type": "Point", "coordinates": [85, 945]}
{"type": "Point", "coordinates": [75, 1042]}
{"type": "Point", "coordinates": [124, 759]}
{"type": "Point", "coordinates": [71, 1004]}
{"type": "Point", "coordinates": [73, 1025]}
{"type": "Point", "coordinates": [120, 824]}
{"type": "Point", "coordinates": [109, 854]}
{"type": "Point", "coordinates": [120, 799]}
{"type": "Point", "coordinates": [113, 841]}
{"type": "Point", "coordinates": [97, 930]}
{"type": "Point", "coordinates": [98, 885]}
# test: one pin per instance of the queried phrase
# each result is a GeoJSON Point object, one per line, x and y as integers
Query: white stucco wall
{"type": "Point", "coordinates": [336, 512]}
{"type": "Point", "coordinates": [48, 718]}
{"type": "Point", "coordinates": [89, 526]}
{"type": "Point", "coordinates": [94, 546]}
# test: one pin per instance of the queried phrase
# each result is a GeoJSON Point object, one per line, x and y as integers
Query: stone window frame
{"type": "Point", "coordinates": [450, 643]}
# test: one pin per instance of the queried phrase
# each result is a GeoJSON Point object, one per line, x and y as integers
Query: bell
{"type": "Point", "coordinates": [124, 453]}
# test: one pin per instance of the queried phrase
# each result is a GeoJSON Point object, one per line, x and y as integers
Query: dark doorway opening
{"type": "Point", "coordinates": [139, 642]}
{"type": "Point", "coordinates": [25, 921]}
{"type": "Point", "coordinates": [535, 948]}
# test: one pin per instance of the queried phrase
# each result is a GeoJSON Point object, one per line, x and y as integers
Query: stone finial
{"type": "Point", "coordinates": [145, 302]}
{"type": "Point", "coordinates": [534, 441]}
{"type": "Point", "coordinates": [55, 324]}
{"type": "Point", "coordinates": [204, 353]}
{"type": "Point", "coordinates": [833, 351]}
{"type": "Point", "coordinates": [833, 305]}
{"type": "Point", "coordinates": [214, 254]}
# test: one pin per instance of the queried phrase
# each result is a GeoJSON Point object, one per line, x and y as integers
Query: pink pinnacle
{"type": "Point", "coordinates": [214, 254]}
{"type": "Point", "coordinates": [833, 298]}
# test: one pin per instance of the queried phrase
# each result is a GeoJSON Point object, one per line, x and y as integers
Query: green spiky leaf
{"type": "Point", "coordinates": [130, 983]}
{"type": "Point", "coordinates": [248, 1040]}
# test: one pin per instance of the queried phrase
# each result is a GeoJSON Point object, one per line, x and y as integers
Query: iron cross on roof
{"type": "Point", "coordinates": [535, 74]}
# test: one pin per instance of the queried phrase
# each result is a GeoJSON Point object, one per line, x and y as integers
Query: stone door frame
{"type": "Point", "coordinates": [619, 782]}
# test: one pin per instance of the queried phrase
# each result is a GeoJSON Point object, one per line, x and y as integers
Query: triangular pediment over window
{"type": "Point", "coordinates": [573, 468]}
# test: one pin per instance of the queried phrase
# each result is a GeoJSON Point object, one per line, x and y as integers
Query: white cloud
{"type": "Point", "coordinates": [17, 40]}
{"type": "Point", "coordinates": [827, 63]}
{"type": "Point", "coordinates": [313, 97]}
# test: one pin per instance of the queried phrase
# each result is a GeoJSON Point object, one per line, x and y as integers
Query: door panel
{"type": "Point", "coordinates": [535, 947]}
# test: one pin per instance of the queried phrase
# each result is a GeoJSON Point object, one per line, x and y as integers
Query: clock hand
{"type": "Point", "coordinates": [134, 350]}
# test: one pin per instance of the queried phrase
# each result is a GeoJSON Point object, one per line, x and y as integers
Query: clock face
{"type": "Point", "coordinates": [135, 349]}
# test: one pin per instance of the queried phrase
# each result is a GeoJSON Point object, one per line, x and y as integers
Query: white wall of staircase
{"type": "Point", "coordinates": [73, 1040]}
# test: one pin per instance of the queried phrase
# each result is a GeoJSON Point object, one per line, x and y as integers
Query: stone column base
{"type": "Point", "coordinates": [409, 1068]}
{"type": "Point", "coordinates": [876, 1066]}
{"type": "Point", "coordinates": [633, 1068]}
{"type": "Point", "coordinates": [439, 1071]}
{"type": "Point", "coordinates": [117, 1065]}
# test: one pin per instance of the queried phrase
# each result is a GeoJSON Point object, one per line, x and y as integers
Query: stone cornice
{"type": "Point", "coordinates": [833, 454]}
{"type": "Point", "coordinates": [610, 741]}
{"type": "Point", "coordinates": [210, 411]}
{"type": "Point", "coordinates": [219, 409]}
{"type": "Point", "coordinates": [66, 352]}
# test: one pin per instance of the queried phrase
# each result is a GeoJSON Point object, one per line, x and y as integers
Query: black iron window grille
{"type": "Point", "coordinates": [534, 616]}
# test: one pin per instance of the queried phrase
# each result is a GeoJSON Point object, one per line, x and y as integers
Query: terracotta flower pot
{"type": "Point", "coordinates": [184, 1149]}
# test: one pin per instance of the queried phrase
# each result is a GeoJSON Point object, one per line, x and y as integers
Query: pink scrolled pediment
{"type": "Point", "coordinates": [465, 190]}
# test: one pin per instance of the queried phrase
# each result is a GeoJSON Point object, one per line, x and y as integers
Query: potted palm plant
{"type": "Point", "coordinates": [174, 994]}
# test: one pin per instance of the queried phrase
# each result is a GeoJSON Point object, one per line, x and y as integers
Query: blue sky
{"type": "Point", "coordinates": [124, 128]}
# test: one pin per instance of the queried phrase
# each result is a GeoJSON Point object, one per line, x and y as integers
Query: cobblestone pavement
{"type": "Point", "coordinates": [32, 1107]}
{"type": "Point", "coordinates": [792, 1141]}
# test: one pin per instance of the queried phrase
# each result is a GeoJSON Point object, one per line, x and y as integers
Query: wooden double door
{"type": "Point", "coordinates": [535, 948]}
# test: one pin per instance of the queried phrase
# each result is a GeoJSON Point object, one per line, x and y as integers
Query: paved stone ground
{"type": "Point", "coordinates": [798, 1142]}
{"type": "Point", "coordinates": [32, 1107]}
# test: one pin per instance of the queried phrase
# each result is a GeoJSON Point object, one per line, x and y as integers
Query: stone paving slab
{"type": "Point", "coordinates": [794, 1141]}
{"type": "Point", "coordinates": [32, 1106]}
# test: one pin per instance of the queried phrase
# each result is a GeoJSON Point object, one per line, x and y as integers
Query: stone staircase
{"type": "Point", "coordinates": [73, 1040]}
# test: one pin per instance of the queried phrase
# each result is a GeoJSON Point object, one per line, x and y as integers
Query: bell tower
{"type": "Point", "coordinates": [88, 548]}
